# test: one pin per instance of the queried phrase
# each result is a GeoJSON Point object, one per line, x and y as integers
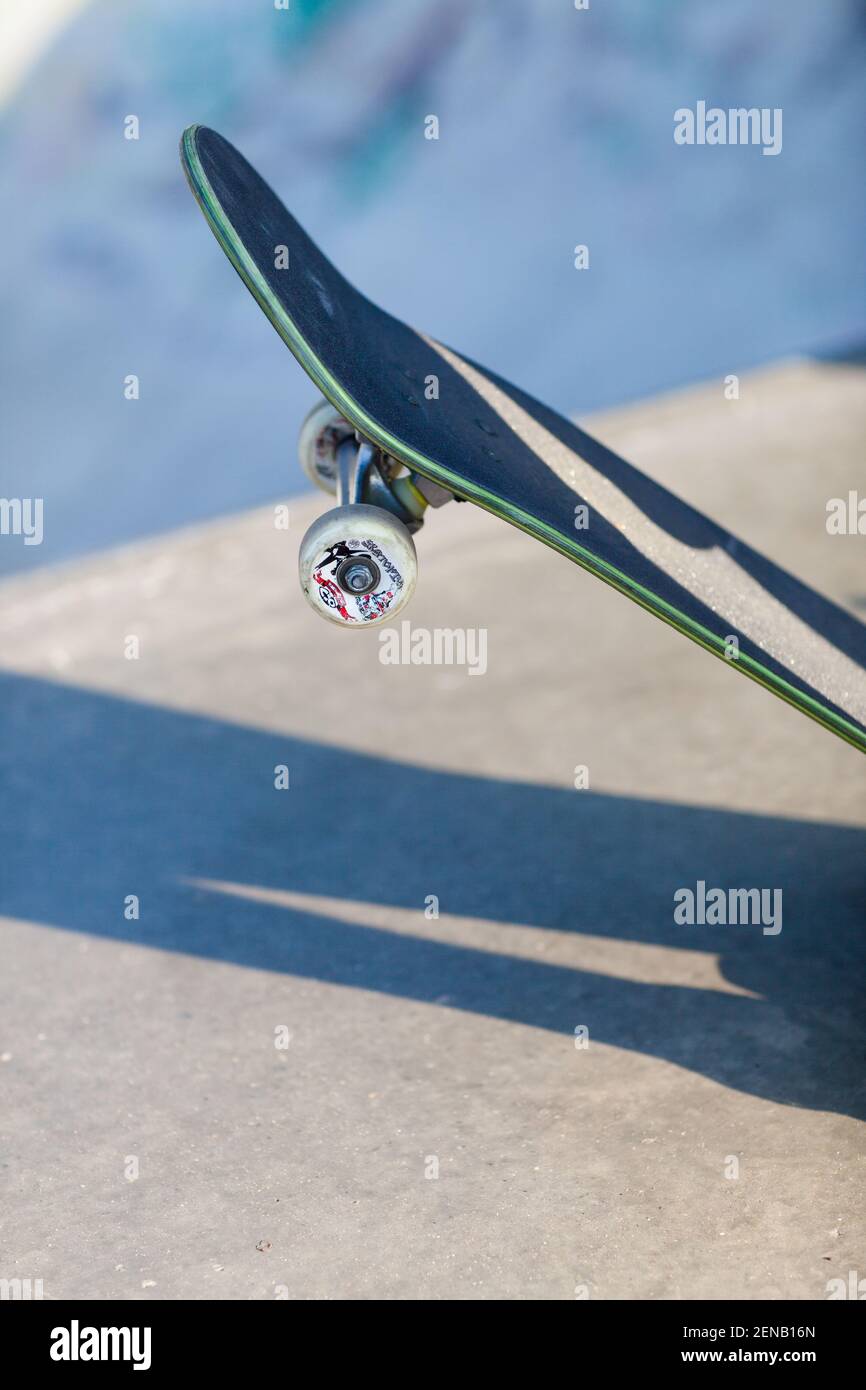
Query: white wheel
{"type": "Point", "coordinates": [321, 434]}
{"type": "Point", "coordinates": [357, 566]}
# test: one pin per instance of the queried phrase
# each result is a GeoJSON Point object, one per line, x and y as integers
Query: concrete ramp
{"type": "Point", "coordinates": [326, 976]}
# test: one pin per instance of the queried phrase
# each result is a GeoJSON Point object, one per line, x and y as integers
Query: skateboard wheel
{"type": "Point", "coordinates": [357, 566]}
{"type": "Point", "coordinates": [321, 434]}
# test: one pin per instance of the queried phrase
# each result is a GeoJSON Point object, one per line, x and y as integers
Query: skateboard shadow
{"type": "Point", "coordinates": [103, 797]}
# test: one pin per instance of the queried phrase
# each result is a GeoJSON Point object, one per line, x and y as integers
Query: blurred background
{"type": "Point", "coordinates": [555, 129]}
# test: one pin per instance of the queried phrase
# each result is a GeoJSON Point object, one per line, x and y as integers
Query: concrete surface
{"type": "Point", "coordinates": [418, 1041]}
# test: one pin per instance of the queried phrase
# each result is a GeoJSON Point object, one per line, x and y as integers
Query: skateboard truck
{"type": "Point", "coordinates": [357, 563]}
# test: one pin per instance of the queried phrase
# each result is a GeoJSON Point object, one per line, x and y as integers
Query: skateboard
{"type": "Point", "coordinates": [406, 424]}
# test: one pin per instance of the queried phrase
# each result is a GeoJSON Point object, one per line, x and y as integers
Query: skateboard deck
{"type": "Point", "coordinates": [491, 443]}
